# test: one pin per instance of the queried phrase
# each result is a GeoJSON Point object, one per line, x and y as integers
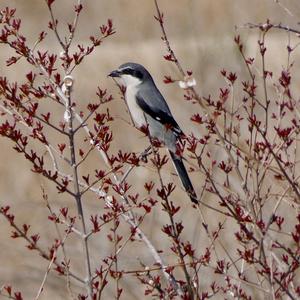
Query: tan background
{"type": "Point", "coordinates": [201, 33]}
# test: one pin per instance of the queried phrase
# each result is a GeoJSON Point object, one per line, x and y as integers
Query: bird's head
{"type": "Point", "coordinates": [131, 74]}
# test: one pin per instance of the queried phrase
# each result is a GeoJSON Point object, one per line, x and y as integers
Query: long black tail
{"type": "Point", "coordinates": [184, 177]}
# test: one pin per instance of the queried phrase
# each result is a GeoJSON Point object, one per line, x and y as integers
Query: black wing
{"type": "Point", "coordinates": [159, 115]}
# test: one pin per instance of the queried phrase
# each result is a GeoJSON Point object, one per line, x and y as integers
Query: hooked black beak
{"type": "Point", "coordinates": [114, 73]}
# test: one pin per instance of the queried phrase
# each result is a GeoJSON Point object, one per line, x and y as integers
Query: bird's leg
{"type": "Point", "coordinates": [145, 153]}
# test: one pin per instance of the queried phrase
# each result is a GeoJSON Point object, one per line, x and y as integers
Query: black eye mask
{"type": "Point", "coordinates": [134, 73]}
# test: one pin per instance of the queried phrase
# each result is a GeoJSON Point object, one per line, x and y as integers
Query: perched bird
{"type": "Point", "coordinates": [148, 107]}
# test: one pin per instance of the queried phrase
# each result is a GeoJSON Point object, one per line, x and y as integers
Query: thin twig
{"type": "Point", "coordinates": [277, 26]}
{"type": "Point", "coordinates": [200, 101]}
{"type": "Point", "coordinates": [77, 192]}
{"type": "Point", "coordinates": [54, 25]}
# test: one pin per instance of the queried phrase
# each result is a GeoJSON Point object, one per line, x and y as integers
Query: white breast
{"type": "Point", "coordinates": [132, 83]}
{"type": "Point", "coordinates": [137, 114]}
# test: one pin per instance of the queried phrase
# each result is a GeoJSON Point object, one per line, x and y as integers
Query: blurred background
{"type": "Point", "coordinates": [200, 31]}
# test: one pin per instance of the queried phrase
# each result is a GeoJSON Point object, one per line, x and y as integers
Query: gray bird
{"type": "Point", "coordinates": [147, 106]}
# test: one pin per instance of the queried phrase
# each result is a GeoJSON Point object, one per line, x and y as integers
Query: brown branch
{"type": "Point", "coordinates": [77, 192]}
{"type": "Point", "coordinates": [42, 252]}
{"type": "Point", "coordinates": [282, 169]}
{"type": "Point", "coordinates": [262, 26]}
{"type": "Point", "coordinates": [53, 21]}
{"type": "Point", "coordinates": [196, 96]}
{"type": "Point", "coordinates": [175, 237]}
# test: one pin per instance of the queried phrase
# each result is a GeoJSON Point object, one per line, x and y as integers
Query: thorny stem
{"type": "Point", "coordinates": [115, 240]}
{"type": "Point", "coordinates": [166, 40]}
{"type": "Point", "coordinates": [278, 26]}
{"type": "Point", "coordinates": [199, 99]}
{"type": "Point", "coordinates": [45, 276]}
{"type": "Point", "coordinates": [216, 190]}
{"type": "Point", "coordinates": [265, 74]}
{"type": "Point", "coordinates": [70, 227]}
{"type": "Point", "coordinates": [75, 22]}
{"type": "Point", "coordinates": [41, 252]}
{"type": "Point", "coordinates": [77, 193]}
{"type": "Point", "coordinates": [129, 218]}
{"type": "Point", "coordinates": [282, 169]}
{"type": "Point", "coordinates": [176, 237]}
{"type": "Point", "coordinates": [55, 27]}
{"type": "Point", "coordinates": [117, 252]}
{"type": "Point", "coordinates": [62, 241]}
{"type": "Point", "coordinates": [243, 182]}
{"type": "Point", "coordinates": [176, 240]}
{"type": "Point", "coordinates": [145, 153]}
{"type": "Point", "coordinates": [226, 142]}
{"type": "Point", "coordinates": [253, 238]}
{"type": "Point", "coordinates": [252, 76]}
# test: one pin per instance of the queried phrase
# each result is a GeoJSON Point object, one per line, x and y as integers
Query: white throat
{"type": "Point", "coordinates": [130, 81]}
{"type": "Point", "coordinates": [132, 84]}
